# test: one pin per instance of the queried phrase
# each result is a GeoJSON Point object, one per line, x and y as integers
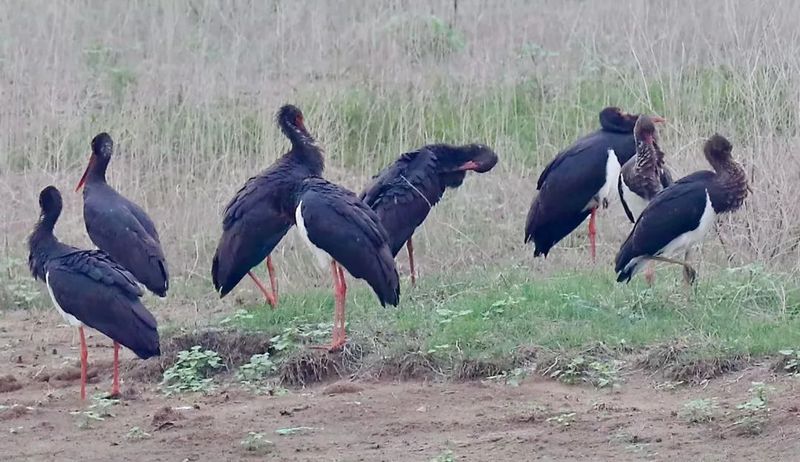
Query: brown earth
{"type": "Point", "coordinates": [373, 421]}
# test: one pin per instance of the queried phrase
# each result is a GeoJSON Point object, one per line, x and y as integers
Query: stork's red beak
{"type": "Point", "coordinates": [657, 119]}
{"type": "Point", "coordinates": [85, 173]}
{"type": "Point", "coordinates": [468, 165]}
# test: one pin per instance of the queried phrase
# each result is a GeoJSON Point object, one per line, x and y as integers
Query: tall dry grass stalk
{"type": "Point", "coordinates": [188, 90]}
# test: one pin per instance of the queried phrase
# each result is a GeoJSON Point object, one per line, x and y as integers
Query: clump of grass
{"type": "Point", "coordinates": [580, 369]}
{"type": "Point", "coordinates": [753, 415]}
{"type": "Point", "coordinates": [190, 373]}
{"type": "Point", "coordinates": [257, 443]}
{"type": "Point", "coordinates": [98, 411]}
{"type": "Point", "coordinates": [698, 411]}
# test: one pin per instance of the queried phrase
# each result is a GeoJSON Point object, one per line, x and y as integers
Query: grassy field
{"type": "Point", "coordinates": [188, 90]}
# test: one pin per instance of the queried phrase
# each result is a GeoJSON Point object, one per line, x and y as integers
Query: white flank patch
{"type": "Point", "coordinates": [323, 259]}
{"type": "Point", "coordinates": [612, 176]}
{"type": "Point", "coordinates": [686, 240]}
{"type": "Point", "coordinates": [636, 204]}
{"type": "Point", "coordinates": [71, 320]}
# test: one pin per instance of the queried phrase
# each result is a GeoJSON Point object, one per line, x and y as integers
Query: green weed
{"type": "Point", "coordinates": [190, 371]}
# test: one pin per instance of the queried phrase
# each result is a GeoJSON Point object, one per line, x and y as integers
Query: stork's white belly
{"type": "Point", "coordinates": [636, 204]}
{"type": "Point", "coordinates": [323, 259]}
{"type": "Point", "coordinates": [612, 176]}
{"type": "Point", "coordinates": [71, 320]}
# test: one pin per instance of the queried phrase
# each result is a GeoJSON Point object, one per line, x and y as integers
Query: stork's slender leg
{"type": "Point", "coordinates": [689, 273]}
{"type": "Point", "coordinates": [593, 233]}
{"type": "Point", "coordinates": [649, 273]}
{"type": "Point", "coordinates": [115, 384]}
{"type": "Point", "coordinates": [273, 281]}
{"type": "Point", "coordinates": [410, 247]}
{"type": "Point", "coordinates": [340, 286]}
{"type": "Point", "coordinates": [270, 298]}
{"type": "Point", "coordinates": [84, 361]}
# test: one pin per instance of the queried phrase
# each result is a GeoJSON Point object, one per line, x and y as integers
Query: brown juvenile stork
{"type": "Point", "coordinates": [579, 180]}
{"type": "Point", "coordinates": [89, 288]}
{"type": "Point", "coordinates": [644, 175]}
{"type": "Point", "coordinates": [682, 214]}
{"type": "Point", "coordinates": [261, 213]}
{"type": "Point", "coordinates": [404, 193]}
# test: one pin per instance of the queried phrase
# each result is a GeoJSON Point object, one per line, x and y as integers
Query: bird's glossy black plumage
{"type": "Point", "coordinates": [89, 285]}
{"type": "Point", "coordinates": [336, 221]}
{"type": "Point", "coordinates": [403, 193]}
{"type": "Point", "coordinates": [569, 185]}
{"type": "Point", "coordinates": [262, 211]}
{"type": "Point", "coordinates": [120, 227]}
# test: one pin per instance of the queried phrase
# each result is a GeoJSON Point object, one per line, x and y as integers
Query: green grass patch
{"type": "Point", "coordinates": [732, 313]}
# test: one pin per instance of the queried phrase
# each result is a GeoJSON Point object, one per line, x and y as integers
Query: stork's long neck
{"type": "Point", "coordinates": [304, 147]}
{"type": "Point", "coordinates": [42, 243]}
{"type": "Point", "coordinates": [731, 184]}
{"type": "Point", "coordinates": [646, 156]}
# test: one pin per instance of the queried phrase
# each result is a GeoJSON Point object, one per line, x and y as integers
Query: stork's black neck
{"type": "Point", "coordinates": [43, 244]}
{"type": "Point", "coordinates": [96, 172]}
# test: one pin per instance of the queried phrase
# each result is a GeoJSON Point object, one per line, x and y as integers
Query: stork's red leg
{"type": "Point", "coordinates": [115, 384]}
{"type": "Point", "coordinates": [593, 233]}
{"type": "Point", "coordinates": [649, 273]}
{"type": "Point", "coordinates": [84, 361]}
{"type": "Point", "coordinates": [340, 286]}
{"type": "Point", "coordinates": [273, 281]}
{"type": "Point", "coordinates": [270, 298]}
{"type": "Point", "coordinates": [410, 248]}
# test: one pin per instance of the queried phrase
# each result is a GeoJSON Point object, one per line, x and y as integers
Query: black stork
{"type": "Point", "coordinates": [342, 231]}
{"type": "Point", "coordinates": [644, 175]}
{"type": "Point", "coordinates": [262, 211]}
{"type": "Point", "coordinates": [119, 227]}
{"type": "Point", "coordinates": [89, 288]}
{"type": "Point", "coordinates": [580, 179]}
{"type": "Point", "coordinates": [403, 193]}
{"type": "Point", "coordinates": [682, 214]}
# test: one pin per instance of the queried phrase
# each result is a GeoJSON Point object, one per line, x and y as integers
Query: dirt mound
{"type": "Point", "coordinates": [9, 383]}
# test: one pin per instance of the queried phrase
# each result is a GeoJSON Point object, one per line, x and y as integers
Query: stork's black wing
{"type": "Point", "coordinates": [560, 206]}
{"type": "Point", "coordinates": [253, 224]}
{"type": "Point", "coordinates": [403, 194]}
{"type": "Point", "coordinates": [339, 223]}
{"type": "Point", "coordinates": [100, 293]}
{"type": "Point", "coordinates": [115, 226]}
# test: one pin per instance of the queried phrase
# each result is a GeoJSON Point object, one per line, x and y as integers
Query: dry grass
{"type": "Point", "coordinates": [188, 90]}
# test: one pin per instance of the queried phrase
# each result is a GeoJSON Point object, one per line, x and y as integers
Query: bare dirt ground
{"type": "Point", "coordinates": [369, 421]}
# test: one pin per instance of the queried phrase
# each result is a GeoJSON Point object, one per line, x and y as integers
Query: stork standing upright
{"type": "Point", "coordinates": [682, 214]}
{"type": "Point", "coordinates": [404, 193]}
{"type": "Point", "coordinates": [89, 288]}
{"type": "Point", "coordinates": [263, 210]}
{"type": "Point", "coordinates": [119, 227]}
{"type": "Point", "coordinates": [342, 231]}
{"type": "Point", "coordinates": [579, 180]}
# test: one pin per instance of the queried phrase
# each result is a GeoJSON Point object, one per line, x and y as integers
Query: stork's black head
{"type": "Point", "coordinates": [645, 130]}
{"type": "Point", "coordinates": [50, 201]}
{"type": "Point", "coordinates": [717, 150]}
{"type": "Point", "coordinates": [290, 119]}
{"type": "Point", "coordinates": [475, 157]}
{"type": "Point", "coordinates": [616, 120]}
{"type": "Point", "coordinates": [102, 149]}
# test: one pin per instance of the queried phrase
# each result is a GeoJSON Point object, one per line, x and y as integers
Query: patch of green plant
{"type": "Point", "coordinates": [17, 288]}
{"type": "Point", "coordinates": [190, 371]}
{"type": "Point", "coordinates": [599, 373]}
{"type": "Point", "coordinates": [752, 415]}
{"type": "Point", "coordinates": [791, 361]}
{"type": "Point", "coordinates": [445, 456]}
{"type": "Point", "coordinates": [136, 434]}
{"type": "Point", "coordinates": [98, 411]}
{"type": "Point", "coordinates": [256, 443]}
{"type": "Point", "coordinates": [698, 411]}
{"type": "Point", "coordinates": [256, 370]}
